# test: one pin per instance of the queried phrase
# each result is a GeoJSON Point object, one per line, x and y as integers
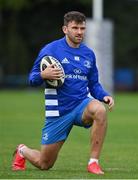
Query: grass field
{"type": "Point", "coordinates": [21, 120]}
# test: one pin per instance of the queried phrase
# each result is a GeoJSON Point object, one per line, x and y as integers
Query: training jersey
{"type": "Point", "coordinates": [81, 77]}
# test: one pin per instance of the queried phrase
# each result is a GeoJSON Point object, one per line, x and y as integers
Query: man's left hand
{"type": "Point", "coordinates": [110, 101]}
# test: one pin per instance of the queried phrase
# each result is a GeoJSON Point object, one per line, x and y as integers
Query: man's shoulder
{"type": "Point", "coordinates": [50, 47]}
{"type": "Point", "coordinates": [56, 42]}
{"type": "Point", "coordinates": [87, 49]}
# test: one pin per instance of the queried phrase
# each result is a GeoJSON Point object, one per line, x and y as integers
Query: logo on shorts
{"type": "Point", "coordinates": [45, 136]}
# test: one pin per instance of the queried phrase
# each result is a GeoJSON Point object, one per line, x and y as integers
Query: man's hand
{"type": "Point", "coordinates": [52, 73]}
{"type": "Point", "coordinates": [110, 101]}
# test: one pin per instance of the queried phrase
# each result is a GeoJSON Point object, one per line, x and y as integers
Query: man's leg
{"type": "Point", "coordinates": [95, 113]}
{"type": "Point", "coordinates": [43, 159]}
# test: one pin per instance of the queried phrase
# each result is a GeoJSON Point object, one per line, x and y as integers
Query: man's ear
{"type": "Point", "coordinates": [64, 29]}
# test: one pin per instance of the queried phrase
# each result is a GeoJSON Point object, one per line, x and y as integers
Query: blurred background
{"type": "Point", "coordinates": [27, 25]}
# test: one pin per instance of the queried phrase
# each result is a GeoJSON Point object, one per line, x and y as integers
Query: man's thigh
{"type": "Point", "coordinates": [79, 111]}
{"type": "Point", "coordinates": [57, 129]}
{"type": "Point", "coordinates": [49, 153]}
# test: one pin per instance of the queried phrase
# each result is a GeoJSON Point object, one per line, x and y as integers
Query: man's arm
{"type": "Point", "coordinates": [35, 78]}
{"type": "Point", "coordinates": [95, 87]}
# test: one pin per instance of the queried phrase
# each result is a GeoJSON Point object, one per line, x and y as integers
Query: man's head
{"type": "Point", "coordinates": [76, 16]}
{"type": "Point", "coordinates": [74, 27]}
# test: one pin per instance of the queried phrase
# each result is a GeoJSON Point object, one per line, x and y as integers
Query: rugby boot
{"type": "Point", "coordinates": [94, 168]}
{"type": "Point", "coordinates": [18, 163]}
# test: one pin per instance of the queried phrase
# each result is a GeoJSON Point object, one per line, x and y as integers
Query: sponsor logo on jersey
{"type": "Point", "coordinates": [76, 58]}
{"type": "Point", "coordinates": [76, 76]}
{"type": "Point", "coordinates": [87, 64]}
{"type": "Point", "coordinates": [77, 71]}
{"type": "Point", "coordinates": [65, 61]}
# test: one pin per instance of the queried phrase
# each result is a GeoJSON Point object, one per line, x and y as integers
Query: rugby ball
{"type": "Point", "coordinates": [46, 61]}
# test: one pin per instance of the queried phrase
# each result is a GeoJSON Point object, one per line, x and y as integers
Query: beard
{"type": "Point", "coordinates": [76, 39]}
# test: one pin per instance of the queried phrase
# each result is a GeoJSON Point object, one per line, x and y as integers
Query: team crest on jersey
{"type": "Point", "coordinates": [87, 64]}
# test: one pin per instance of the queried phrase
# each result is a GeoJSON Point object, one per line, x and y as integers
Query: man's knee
{"type": "Point", "coordinates": [100, 115]}
{"type": "Point", "coordinates": [94, 111]}
{"type": "Point", "coordinates": [101, 110]}
{"type": "Point", "coordinates": [48, 155]}
{"type": "Point", "coordinates": [96, 108]}
{"type": "Point", "coordinates": [46, 165]}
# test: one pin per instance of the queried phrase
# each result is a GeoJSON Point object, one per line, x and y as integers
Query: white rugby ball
{"type": "Point", "coordinates": [48, 60]}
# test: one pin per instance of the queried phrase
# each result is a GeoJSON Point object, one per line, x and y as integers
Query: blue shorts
{"type": "Point", "coordinates": [58, 129]}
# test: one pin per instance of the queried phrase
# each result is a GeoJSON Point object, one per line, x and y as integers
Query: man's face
{"type": "Point", "coordinates": [75, 32]}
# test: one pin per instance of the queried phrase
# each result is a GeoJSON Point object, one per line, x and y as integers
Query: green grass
{"type": "Point", "coordinates": [21, 120]}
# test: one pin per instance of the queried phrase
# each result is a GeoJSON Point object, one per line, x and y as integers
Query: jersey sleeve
{"type": "Point", "coordinates": [35, 78]}
{"type": "Point", "coordinates": [95, 88]}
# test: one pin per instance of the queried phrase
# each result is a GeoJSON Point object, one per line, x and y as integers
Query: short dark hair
{"type": "Point", "coordinates": [76, 16]}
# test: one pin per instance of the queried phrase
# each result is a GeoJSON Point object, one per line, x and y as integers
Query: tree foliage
{"type": "Point", "coordinates": [13, 4]}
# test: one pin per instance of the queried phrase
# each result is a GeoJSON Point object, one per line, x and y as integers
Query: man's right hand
{"type": "Point", "coordinates": [52, 73]}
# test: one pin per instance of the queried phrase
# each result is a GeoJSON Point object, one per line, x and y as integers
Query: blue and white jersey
{"type": "Point", "coordinates": [81, 77]}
